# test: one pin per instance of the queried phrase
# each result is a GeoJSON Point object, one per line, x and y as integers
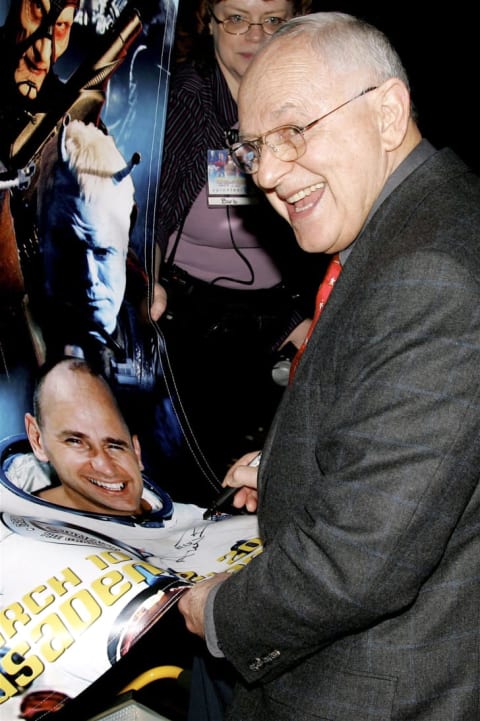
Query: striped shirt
{"type": "Point", "coordinates": [200, 110]}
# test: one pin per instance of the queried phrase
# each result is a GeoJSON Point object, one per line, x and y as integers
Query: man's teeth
{"type": "Point", "coordinates": [305, 193]}
{"type": "Point", "coordinates": [108, 486]}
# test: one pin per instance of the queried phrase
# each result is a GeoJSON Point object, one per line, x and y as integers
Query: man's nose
{"type": "Point", "coordinates": [101, 462]}
{"type": "Point", "coordinates": [91, 268]}
{"type": "Point", "coordinates": [271, 169]}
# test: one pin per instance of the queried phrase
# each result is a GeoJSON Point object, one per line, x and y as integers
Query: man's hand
{"type": "Point", "coordinates": [192, 603]}
{"type": "Point", "coordinates": [244, 477]}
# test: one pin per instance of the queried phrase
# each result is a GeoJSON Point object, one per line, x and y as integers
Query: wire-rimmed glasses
{"type": "Point", "coordinates": [287, 142]}
{"type": "Point", "coordinates": [236, 25]}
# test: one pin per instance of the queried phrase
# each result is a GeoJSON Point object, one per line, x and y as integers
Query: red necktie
{"type": "Point", "coordinates": [333, 271]}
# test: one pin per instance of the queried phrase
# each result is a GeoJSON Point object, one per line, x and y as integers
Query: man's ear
{"type": "Point", "coordinates": [138, 451]}
{"type": "Point", "coordinates": [394, 112]}
{"type": "Point", "coordinates": [35, 437]}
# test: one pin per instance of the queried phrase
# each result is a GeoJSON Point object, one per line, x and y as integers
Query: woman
{"type": "Point", "coordinates": [231, 270]}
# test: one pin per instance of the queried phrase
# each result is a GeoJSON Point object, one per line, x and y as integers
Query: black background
{"type": "Point", "coordinates": [440, 51]}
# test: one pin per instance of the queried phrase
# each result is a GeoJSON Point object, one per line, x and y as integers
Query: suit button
{"type": "Point", "coordinates": [256, 665]}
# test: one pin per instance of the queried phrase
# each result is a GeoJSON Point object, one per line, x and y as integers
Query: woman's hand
{"type": "Point", "coordinates": [159, 301]}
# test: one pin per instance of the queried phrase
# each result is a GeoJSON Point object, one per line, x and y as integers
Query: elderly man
{"type": "Point", "coordinates": [364, 603]}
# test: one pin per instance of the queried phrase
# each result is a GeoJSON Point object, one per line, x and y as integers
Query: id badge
{"type": "Point", "coordinates": [226, 183]}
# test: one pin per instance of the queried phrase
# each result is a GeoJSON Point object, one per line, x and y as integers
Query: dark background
{"type": "Point", "coordinates": [440, 50]}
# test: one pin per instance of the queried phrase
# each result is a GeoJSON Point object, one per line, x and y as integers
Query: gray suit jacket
{"type": "Point", "coordinates": [365, 604]}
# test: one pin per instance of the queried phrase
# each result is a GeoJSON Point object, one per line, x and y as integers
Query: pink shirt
{"type": "Point", "coordinates": [206, 250]}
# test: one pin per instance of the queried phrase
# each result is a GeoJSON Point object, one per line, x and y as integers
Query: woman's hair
{"type": "Point", "coordinates": [193, 38]}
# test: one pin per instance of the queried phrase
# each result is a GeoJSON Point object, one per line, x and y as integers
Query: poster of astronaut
{"type": "Point", "coordinates": [94, 528]}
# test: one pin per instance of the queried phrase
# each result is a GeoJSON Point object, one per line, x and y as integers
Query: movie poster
{"type": "Point", "coordinates": [84, 87]}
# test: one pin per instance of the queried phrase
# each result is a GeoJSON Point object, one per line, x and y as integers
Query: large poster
{"type": "Point", "coordinates": [84, 88]}
{"type": "Point", "coordinates": [84, 91]}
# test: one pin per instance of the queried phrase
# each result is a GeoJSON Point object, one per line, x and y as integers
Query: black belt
{"type": "Point", "coordinates": [181, 281]}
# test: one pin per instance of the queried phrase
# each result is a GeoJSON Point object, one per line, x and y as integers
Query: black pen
{"type": "Point", "coordinates": [228, 493]}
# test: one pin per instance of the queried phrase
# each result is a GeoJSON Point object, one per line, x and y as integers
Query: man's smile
{"type": "Point", "coordinates": [305, 193]}
{"type": "Point", "coordinates": [108, 486]}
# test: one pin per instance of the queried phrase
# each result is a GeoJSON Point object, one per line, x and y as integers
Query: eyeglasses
{"type": "Point", "coordinates": [236, 25]}
{"type": "Point", "coordinates": [287, 141]}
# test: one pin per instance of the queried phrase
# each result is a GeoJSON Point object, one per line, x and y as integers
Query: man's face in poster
{"type": "Point", "coordinates": [51, 33]}
{"type": "Point", "coordinates": [85, 251]}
